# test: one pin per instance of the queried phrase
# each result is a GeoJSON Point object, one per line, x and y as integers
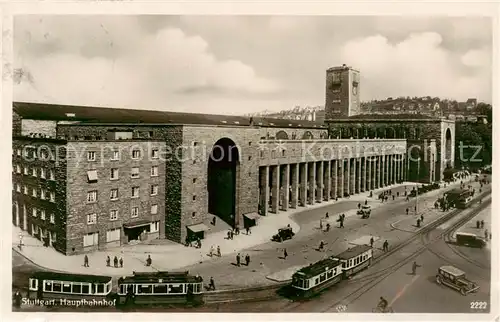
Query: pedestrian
{"type": "Point", "coordinates": [321, 224]}
{"type": "Point", "coordinates": [482, 223]}
{"type": "Point", "coordinates": [248, 230]}
{"type": "Point", "coordinates": [478, 224]}
{"type": "Point", "coordinates": [366, 202]}
{"type": "Point", "coordinates": [228, 235]}
{"type": "Point", "coordinates": [328, 227]}
{"type": "Point", "coordinates": [371, 194]}
{"type": "Point", "coordinates": [149, 261]}
{"type": "Point", "coordinates": [359, 205]}
{"type": "Point", "coordinates": [232, 234]}
{"type": "Point", "coordinates": [321, 245]}
{"type": "Point", "coordinates": [371, 242]}
{"type": "Point", "coordinates": [327, 216]}
{"type": "Point", "coordinates": [247, 259]}
{"type": "Point", "coordinates": [211, 250]}
{"type": "Point", "coordinates": [418, 223]}
{"type": "Point", "coordinates": [218, 251]}
{"type": "Point", "coordinates": [422, 217]}
{"type": "Point", "coordinates": [108, 261]}
{"type": "Point", "coordinates": [238, 259]}
{"type": "Point", "coordinates": [407, 210]}
{"type": "Point", "coordinates": [20, 240]}
{"type": "Point", "coordinates": [214, 220]}
{"type": "Point", "coordinates": [414, 268]}
{"type": "Point", "coordinates": [393, 197]}
{"type": "Point", "coordinates": [285, 254]}
{"type": "Point", "coordinates": [341, 222]}
{"type": "Point", "coordinates": [121, 262]}
{"type": "Point", "coordinates": [385, 246]}
{"type": "Point", "coordinates": [486, 234]}
{"type": "Point", "coordinates": [415, 208]}
{"type": "Point", "coordinates": [86, 261]}
{"type": "Point", "coordinates": [115, 262]}
{"type": "Point", "coordinates": [18, 299]}
{"type": "Point", "coordinates": [397, 193]}
{"type": "Point", "coordinates": [237, 230]}
{"type": "Point", "coordinates": [211, 286]}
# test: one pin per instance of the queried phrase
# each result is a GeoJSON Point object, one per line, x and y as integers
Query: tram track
{"type": "Point", "coordinates": [376, 277]}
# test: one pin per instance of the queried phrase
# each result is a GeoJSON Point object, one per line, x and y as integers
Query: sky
{"type": "Point", "coordinates": [245, 64]}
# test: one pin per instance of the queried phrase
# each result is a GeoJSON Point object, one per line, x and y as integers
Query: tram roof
{"type": "Point", "coordinates": [318, 267]}
{"type": "Point", "coordinates": [353, 252]}
{"type": "Point", "coordinates": [160, 277]}
{"type": "Point", "coordinates": [67, 277]}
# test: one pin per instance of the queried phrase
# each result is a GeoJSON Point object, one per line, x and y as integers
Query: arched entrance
{"type": "Point", "coordinates": [223, 169]}
{"type": "Point", "coordinates": [448, 148]}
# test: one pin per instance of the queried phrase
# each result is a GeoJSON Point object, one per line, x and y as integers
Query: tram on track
{"type": "Point", "coordinates": [325, 273]}
{"type": "Point", "coordinates": [160, 288]}
{"type": "Point", "coordinates": [60, 288]}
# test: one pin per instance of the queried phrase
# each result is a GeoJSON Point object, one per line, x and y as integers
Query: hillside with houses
{"type": "Point", "coordinates": [468, 111]}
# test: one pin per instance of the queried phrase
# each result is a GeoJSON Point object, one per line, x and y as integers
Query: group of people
{"type": "Point", "coordinates": [116, 262]}
{"type": "Point", "coordinates": [238, 260]}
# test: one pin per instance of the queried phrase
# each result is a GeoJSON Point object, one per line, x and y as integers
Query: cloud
{"type": "Point", "coordinates": [417, 66]}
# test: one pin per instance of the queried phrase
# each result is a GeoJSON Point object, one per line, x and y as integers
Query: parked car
{"type": "Point", "coordinates": [455, 278]}
{"type": "Point", "coordinates": [471, 240]}
{"type": "Point", "coordinates": [365, 211]}
{"type": "Point", "coordinates": [283, 234]}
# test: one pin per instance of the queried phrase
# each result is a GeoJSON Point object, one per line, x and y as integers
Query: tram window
{"type": "Point", "coordinates": [66, 288]}
{"type": "Point", "coordinates": [160, 289]}
{"type": "Point", "coordinates": [145, 289]}
{"type": "Point", "coordinates": [100, 288]}
{"type": "Point", "coordinates": [123, 288]}
{"type": "Point", "coordinates": [196, 288]}
{"type": "Point", "coordinates": [343, 265]}
{"type": "Point", "coordinates": [77, 288]}
{"type": "Point", "coordinates": [316, 281]}
{"type": "Point", "coordinates": [306, 284]}
{"type": "Point", "coordinates": [176, 288]}
{"type": "Point", "coordinates": [33, 284]}
{"type": "Point", "coordinates": [57, 287]}
{"type": "Point", "coordinates": [85, 289]}
{"type": "Point", "coordinates": [322, 277]}
{"type": "Point", "coordinates": [108, 288]}
{"type": "Point", "coordinates": [330, 274]}
{"type": "Point", "coordinates": [47, 286]}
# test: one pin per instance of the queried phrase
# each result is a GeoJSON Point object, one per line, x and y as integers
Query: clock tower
{"type": "Point", "coordinates": [342, 93]}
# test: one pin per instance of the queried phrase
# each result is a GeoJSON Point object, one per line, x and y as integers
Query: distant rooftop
{"type": "Point", "coordinates": [106, 115]}
{"type": "Point", "coordinates": [383, 116]}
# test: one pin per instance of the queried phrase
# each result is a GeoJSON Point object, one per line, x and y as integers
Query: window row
{"type": "Point", "coordinates": [115, 155]}
{"type": "Point", "coordinates": [92, 196]}
{"type": "Point", "coordinates": [42, 193]}
{"type": "Point", "coordinates": [34, 153]}
{"type": "Point", "coordinates": [114, 174]}
{"type": "Point", "coordinates": [35, 172]}
{"type": "Point", "coordinates": [114, 214]}
{"type": "Point", "coordinates": [43, 215]}
{"type": "Point", "coordinates": [114, 234]}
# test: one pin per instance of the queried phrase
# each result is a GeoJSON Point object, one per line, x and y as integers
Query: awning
{"type": "Point", "coordinates": [198, 227]}
{"type": "Point", "coordinates": [92, 175]}
{"type": "Point", "coordinates": [136, 224]}
{"type": "Point", "coordinates": [252, 216]}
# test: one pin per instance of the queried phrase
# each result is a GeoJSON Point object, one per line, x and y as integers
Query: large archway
{"type": "Point", "coordinates": [448, 148]}
{"type": "Point", "coordinates": [223, 167]}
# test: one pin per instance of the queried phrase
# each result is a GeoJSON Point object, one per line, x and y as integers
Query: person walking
{"type": "Point", "coordinates": [211, 285]}
{"type": "Point", "coordinates": [328, 227]}
{"type": "Point", "coordinates": [327, 216]}
{"type": "Point", "coordinates": [486, 234]}
{"type": "Point", "coordinates": [414, 268]}
{"type": "Point", "coordinates": [218, 251]}
{"type": "Point", "coordinates": [366, 202]}
{"type": "Point", "coordinates": [86, 261]}
{"type": "Point", "coordinates": [238, 259]}
{"type": "Point", "coordinates": [407, 210]}
{"type": "Point", "coordinates": [285, 254]}
{"type": "Point", "coordinates": [482, 223]}
{"type": "Point", "coordinates": [115, 262]}
{"type": "Point", "coordinates": [386, 246]}
{"type": "Point", "coordinates": [321, 224]}
{"type": "Point", "coordinates": [371, 241]}
{"type": "Point", "coordinates": [149, 261]}
{"type": "Point", "coordinates": [18, 299]}
{"type": "Point", "coordinates": [121, 261]}
{"type": "Point", "coordinates": [212, 251]}
{"type": "Point", "coordinates": [321, 245]}
{"type": "Point", "coordinates": [248, 230]}
{"type": "Point", "coordinates": [422, 217]}
{"type": "Point", "coordinates": [247, 259]}
{"type": "Point", "coordinates": [108, 261]}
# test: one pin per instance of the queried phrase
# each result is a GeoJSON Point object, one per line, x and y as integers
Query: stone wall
{"type": "Point", "coordinates": [78, 186]}
{"type": "Point", "coordinates": [16, 124]}
{"type": "Point", "coordinates": [39, 127]}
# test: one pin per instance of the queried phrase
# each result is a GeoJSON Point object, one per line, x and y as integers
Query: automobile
{"type": "Point", "coordinates": [455, 278]}
{"type": "Point", "coordinates": [365, 211]}
{"type": "Point", "coordinates": [283, 234]}
{"type": "Point", "coordinates": [471, 240]}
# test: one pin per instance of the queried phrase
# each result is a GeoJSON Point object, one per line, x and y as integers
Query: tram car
{"type": "Point", "coordinates": [354, 259]}
{"type": "Point", "coordinates": [316, 277]}
{"type": "Point", "coordinates": [64, 287]}
{"type": "Point", "coordinates": [160, 288]}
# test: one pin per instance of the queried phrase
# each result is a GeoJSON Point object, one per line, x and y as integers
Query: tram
{"type": "Point", "coordinates": [160, 288]}
{"type": "Point", "coordinates": [312, 279]}
{"type": "Point", "coordinates": [62, 288]}
{"type": "Point", "coordinates": [325, 273]}
{"type": "Point", "coordinates": [459, 198]}
{"type": "Point", "coordinates": [355, 259]}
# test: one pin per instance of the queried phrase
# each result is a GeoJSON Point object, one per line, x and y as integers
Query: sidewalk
{"type": "Point", "coordinates": [173, 256]}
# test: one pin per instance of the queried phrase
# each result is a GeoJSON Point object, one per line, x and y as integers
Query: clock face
{"type": "Point", "coordinates": [355, 90]}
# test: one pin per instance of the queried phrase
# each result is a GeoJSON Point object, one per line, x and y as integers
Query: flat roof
{"type": "Point", "coordinates": [452, 270]}
{"type": "Point", "coordinates": [318, 267]}
{"type": "Point", "coordinates": [67, 277]}
{"type": "Point", "coordinates": [353, 252]}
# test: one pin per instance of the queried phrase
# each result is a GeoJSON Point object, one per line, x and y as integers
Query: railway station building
{"type": "Point", "coordinates": [88, 178]}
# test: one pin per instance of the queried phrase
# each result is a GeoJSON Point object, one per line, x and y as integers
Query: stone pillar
{"type": "Point", "coordinates": [286, 186]}
{"type": "Point", "coordinates": [363, 174]}
{"type": "Point", "coordinates": [347, 176]}
{"type": "Point", "coordinates": [264, 190]}
{"type": "Point", "coordinates": [369, 174]}
{"type": "Point", "coordinates": [328, 180]}
{"type": "Point", "coordinates": [275, 186]}
{"type": "Point", "coordinates": [383, 166]}
{"type": "Point", "coordinates": [312, 182]}
{"type": "Point", "coordinates": [294, 178]}
{"type": "Point", "coordinates": [395, 171]}
{"type": "Point", "coordinates": [303, 184]}
{"type": "Point", "coordinates": [340, 177]}
{"type": "Point", "coordinates": [379, 177]}
{"type": "Point", "coordinates": [354, 171]}
{"type": "Point", "coordinates": [335, 180]}
{"type": "Point", "coordinates": [319, 178]}
{"type": "Point", "coordinates": [402, 167]}
{"type": "Point", "coordinates": [388, 170]}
